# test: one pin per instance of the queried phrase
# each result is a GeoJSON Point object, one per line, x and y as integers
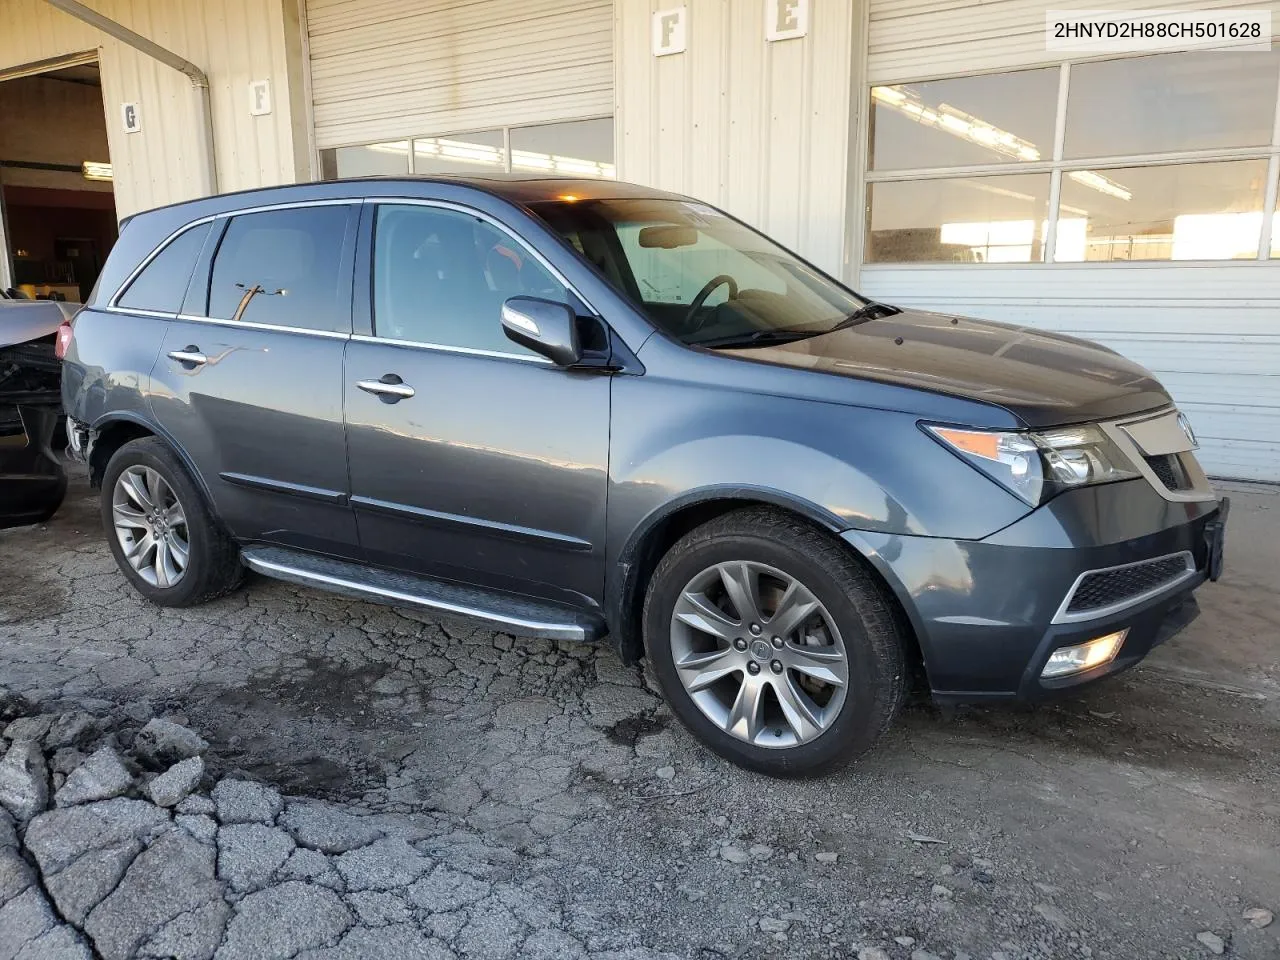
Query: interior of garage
{"type": "Point", "coordinates": [55, 181]}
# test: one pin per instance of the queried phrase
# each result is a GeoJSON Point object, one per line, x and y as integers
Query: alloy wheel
{"type": "Point", "coordinates": [151, 526]}
{"type": "Point", "coordinates": [759, 654]}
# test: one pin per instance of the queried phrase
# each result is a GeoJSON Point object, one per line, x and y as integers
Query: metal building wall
{"type": "Point", "coordinates": [233, 41]}
{"type": "Point", "coordinates": [761, 129]}
{"type": "Point", "coordinates": [920, 39]}
{"type": "Point", "coordinates": [389, 69]}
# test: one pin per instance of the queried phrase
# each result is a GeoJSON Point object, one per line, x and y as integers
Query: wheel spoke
{"type": "Point", "coordinates": [744, 717]}
{"type": "Point", "coordinates": [162, 564]}
{"type": "Point", "coordinates": [137, 550]}
{"type": "Point", "coordinates": [181, 550]}
{"type": "Point", "coordinates": [134, 485]}
{"type": "Point", "coordinates": [799, 710]}
{"type": "Point", "coordinates": [126, 518]}
{"type": "Point", "coordinates": [156, 487]}
{"type": "Point", "coordinates": [175, 516]}
{"type": "Point", "coordinates": [701, 614]}
{"type": "Point", "coordinates": [742, 583]}
{"type": "Point", "coordinates": [821, 663]}
{"type": "Point", "coordinates": [796, 606]}
{"type": "Point", "coordinates": [701, 670]}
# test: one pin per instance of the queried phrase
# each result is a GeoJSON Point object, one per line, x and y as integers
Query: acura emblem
{"type": "Point", "coordinates": [1185, 424]}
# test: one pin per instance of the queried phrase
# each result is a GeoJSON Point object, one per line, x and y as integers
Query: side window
{"type": "Point", "coordinates": [163, 282]}
{"type": "Point", "coordinates": [676, 276]}
{"type": "Point", "coordinates": [282, 267]}
{"type": "Point", "coordinates": [441, 276]}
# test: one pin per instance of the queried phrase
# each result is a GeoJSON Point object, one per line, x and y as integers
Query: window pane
{"type": "Point", "coordinates": [1000, 118]}
{"type": "Point", "coordinates": [977, 220]}
{"type": "Point", "coordinates": [1201, 211]}
{"type": "Point", "coordinates": [441, 277]}
{"type": "Point", "coordinates": [1180, 101]}
{"type": "Point", "coordinates": [372, 160]}
{"type": "Point", "coordinates": [163, 283]}
{"type": "Point", "coordinates": [282, 267]}
{"type": "Point", "coordinates": [583, 148]}
{"type": "Point", "coordinates": [481, 152]}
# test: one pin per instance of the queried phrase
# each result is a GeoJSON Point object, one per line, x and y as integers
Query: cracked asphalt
{"type": "Point", "coordinates": [381, 782]}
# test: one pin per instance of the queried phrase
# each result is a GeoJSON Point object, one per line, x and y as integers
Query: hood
{"type": "Point", "coordinates": [1043, 378]}
{"type": "Point", "coordinates": [22, 321]}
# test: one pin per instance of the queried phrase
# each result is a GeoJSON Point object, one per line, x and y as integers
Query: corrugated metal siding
{"type": "Point", "coordinates": [390, 69]}
{"type": "Point", "coordinates": [920, 39]}
{"type": "Point", "coordinates": [233, 41]}
{"type": "Point", "coordinates": [1208, 331]}
{"type": "Point", "coordinates": [760, 129]}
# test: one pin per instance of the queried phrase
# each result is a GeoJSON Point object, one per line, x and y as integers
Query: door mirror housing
{"type": "Point", "coordinates": [545, 327]}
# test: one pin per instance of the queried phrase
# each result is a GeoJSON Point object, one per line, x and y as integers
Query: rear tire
{"type": "Point", "coordinates": [161, 533]}
{"type": "Point", "coordinates": [835, 678]}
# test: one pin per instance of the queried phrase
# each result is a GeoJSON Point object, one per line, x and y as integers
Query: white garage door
{"type": "Point", "coordinates": [389, 69]}
{"type": "Point", "coordinates": [1129, 201]}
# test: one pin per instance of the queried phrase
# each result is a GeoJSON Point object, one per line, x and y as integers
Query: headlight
{"type": "Point", "coordinates": [1036, 465]}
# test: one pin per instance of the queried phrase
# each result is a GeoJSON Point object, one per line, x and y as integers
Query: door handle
{"type": "Point", "coordinates": [191, 355]}
{"type": "Point", "coordinates": [389, 388]}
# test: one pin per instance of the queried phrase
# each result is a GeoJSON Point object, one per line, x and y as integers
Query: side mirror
{"type": "Point", "coordinates": [545, 327]}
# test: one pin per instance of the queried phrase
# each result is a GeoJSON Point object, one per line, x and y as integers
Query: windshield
{"type": "Point", "coordinates": [700, 276]}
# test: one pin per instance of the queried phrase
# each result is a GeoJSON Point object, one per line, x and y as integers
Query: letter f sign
{"type": "Point", "coordinates": [669, 31]}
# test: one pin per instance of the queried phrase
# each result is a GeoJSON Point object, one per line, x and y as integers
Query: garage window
{"type": "Point", "coordinates": [1164, 157]}
{"type": "Point", "coordinates": [579, 148]}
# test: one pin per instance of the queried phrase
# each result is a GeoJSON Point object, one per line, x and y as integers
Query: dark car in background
{"type": "Point", "coordinates": [575, 409]}
{"type": "Point", "coordinates": [32, 479]}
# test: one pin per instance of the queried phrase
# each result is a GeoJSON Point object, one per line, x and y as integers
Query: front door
{"type": "Point", "coordinates": [249, 380]}
{"type": "Point", "coordinates": [471, 458]}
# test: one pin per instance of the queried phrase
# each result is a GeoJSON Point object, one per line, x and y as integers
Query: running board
{"type": "Point", "coordinates": [522, 616]}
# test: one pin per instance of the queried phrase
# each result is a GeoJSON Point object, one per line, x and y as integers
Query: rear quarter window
{"type": "Point", "coordinates": [162, 284]}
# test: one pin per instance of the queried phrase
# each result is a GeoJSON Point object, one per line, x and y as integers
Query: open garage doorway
{"type": "Point", "coordinates": [56, 199]}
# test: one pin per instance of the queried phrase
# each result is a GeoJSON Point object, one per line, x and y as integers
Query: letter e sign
{"type": "Point", "coordinates": [785, 19]}
{"type": "Point", "coordinates": [259, 98]}
{"type": "Point", "coordinates": [130, 118]}
{"type": "Point", "coordinates": [668, 31]}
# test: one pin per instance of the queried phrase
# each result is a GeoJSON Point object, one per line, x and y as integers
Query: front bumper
{"type": "Point", "coordinates": [984, 611]}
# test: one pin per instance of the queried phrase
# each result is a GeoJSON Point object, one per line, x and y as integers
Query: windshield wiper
{"type": "Point", "coordinates": [757, 338]}
{"type": "Point", "coordinates": [868, 311]}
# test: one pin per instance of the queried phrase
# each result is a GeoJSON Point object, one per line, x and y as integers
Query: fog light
{"type": "Point", "coordinates": [1084, 656]}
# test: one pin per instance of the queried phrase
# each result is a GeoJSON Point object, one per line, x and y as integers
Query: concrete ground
{"type": "Point", "coordinates": [465, 794]}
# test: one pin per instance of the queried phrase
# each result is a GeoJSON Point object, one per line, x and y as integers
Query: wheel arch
{"type": "Point", "coordinates": [664, 526]}
{"type": "Point", "coordinates": [113, 431]}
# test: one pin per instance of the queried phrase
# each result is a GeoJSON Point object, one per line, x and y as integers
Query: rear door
{"type": "Point", "coordinates": [249, 380]}
{"type": "Point", "coordinates": [471, 457]}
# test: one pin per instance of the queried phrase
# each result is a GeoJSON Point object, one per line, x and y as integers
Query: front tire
{"type": "Point", "coordinates": [773, 644]}
{"type": "Point", "coordinates": [160, 530]}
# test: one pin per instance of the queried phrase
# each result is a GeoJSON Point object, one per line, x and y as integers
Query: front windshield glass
{"type": "Point", "coordinates": [699, 275]}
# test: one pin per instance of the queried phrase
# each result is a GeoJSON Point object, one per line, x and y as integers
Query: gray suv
{"type": "Point", "coordinates": [582, 409]}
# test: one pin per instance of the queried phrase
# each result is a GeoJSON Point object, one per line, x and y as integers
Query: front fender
{"type": "Point", "coordinates": [675, 444]}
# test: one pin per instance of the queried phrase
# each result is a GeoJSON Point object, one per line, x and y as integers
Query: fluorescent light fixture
{"type": "Point", "coordinates": [1096, 181]}
{"type": "Point", "coordinates": [93, 170]}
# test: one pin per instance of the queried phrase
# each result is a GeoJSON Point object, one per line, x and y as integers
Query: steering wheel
{"type": "Point", "coordinates": [705, 292]}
